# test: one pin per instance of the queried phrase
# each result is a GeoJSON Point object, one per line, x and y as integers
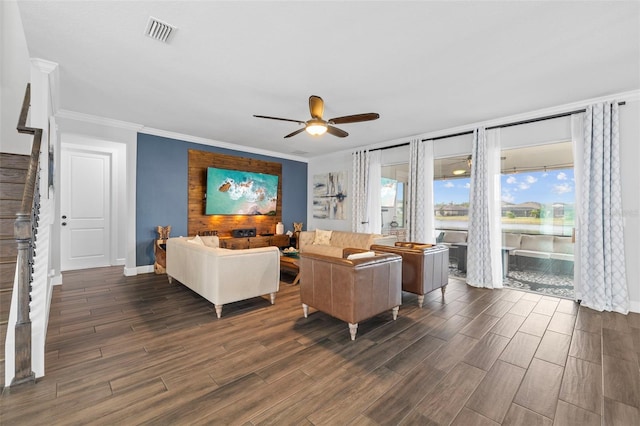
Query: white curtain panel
{"type": "Point", "coordinates": [484, 264]}
{"type": "Point", "coordinates": [373, 193]}
{"type": "Point", "coordinates": [577, 139]}
{"type": "Point", "coordinates": [602, 277]}
{"type": "Point", "coordinates": [421, 218]}
{"type": "Point", "coordinates": [360, 172]}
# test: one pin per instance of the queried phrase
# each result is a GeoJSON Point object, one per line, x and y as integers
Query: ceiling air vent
{"type": "Point", "coordinates": [159, 30]}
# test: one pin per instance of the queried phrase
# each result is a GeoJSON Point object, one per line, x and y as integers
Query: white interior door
{"type": "Point", "coordinates": [85, 209]}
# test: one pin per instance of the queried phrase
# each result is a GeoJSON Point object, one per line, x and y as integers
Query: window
{"type": "Point", "coordinates": [392, 199]}
{"type": "Point", "coordinates": [538, 198]}
{"type": "Point", "coordinates": [451, 184]}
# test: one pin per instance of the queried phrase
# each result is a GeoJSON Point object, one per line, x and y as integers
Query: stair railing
{"type": "Point", "coordinates": [25, 230]}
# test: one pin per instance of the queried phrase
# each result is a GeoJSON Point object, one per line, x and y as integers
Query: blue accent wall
{"type": "Point", "coordinates": [161, 189]}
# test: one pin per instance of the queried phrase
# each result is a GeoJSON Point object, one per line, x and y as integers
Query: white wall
{"type": "Point", "coordinates": [15, 72]}
{"type": "Point", "coordinates": [531, 134]}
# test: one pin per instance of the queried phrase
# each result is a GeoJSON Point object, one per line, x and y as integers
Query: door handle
{"type": "Point", "coordinates": [64, 223]}
{"type": "Point", "coordinates": [64, 216]}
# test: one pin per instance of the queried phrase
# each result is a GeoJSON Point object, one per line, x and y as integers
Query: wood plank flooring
{"type": "Point", "coordinates": [133, 350]}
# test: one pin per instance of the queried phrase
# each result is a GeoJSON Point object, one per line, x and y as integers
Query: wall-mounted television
{"type": "Point", "coordinates": [237, 192]}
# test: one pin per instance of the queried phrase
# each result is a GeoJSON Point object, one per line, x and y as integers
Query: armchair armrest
{"type": "Point", "coordinates": [356, 263]}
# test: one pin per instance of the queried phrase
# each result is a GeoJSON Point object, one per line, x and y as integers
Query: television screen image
{"type": "Point", "coordinates": [237, 192]}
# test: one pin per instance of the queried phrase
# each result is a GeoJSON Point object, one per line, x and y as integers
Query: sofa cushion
{"type": "Point", "coordinates": [196, 240]}
{"type": "Point", "coordinates": [324, 250]}
{"type": "Point", "coordinates": [533, 253]}
{"type": "Point", "coordinates": [211, 241]}
{"type": "Point", "coordinates": [562, 256]}
{"type": "Point", "coordinates": [345, 239]}
{"type": "Point", "coordinates": [454, 237]}
{"type": "Point", "coordinates": [322, 237]}
{"type": "Point", "coordinates": [542, 243]}
{"type": "Point", "coordinates": [563, 245]}
{"type": "Point", "coordinates": [511, 240]}
{"type": "Point", "coordinates": [362, 255]}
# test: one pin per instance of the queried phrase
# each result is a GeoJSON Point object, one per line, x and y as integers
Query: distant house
{"type": "Point", "coordinates": [558, 210]}
{"type": "Point", "coordinates": [520, 210]}
{"type": "Point", "coordinates": [452, 210]}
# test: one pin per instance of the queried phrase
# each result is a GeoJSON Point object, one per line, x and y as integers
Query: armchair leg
{"type": "Point", "coordinates": [353, 329]}
{"type": "Point", "coordinates": [219, 310]}
{"type": "Point", "coordinates": [420, 300]}
{"type": "Point", "coordinates": [305, 310]}
{"type": "Point", "coordinates": [395, 312]}
{"type": "Point", "coordinates": [273, 298]}
{"type": "Point", "coordinates": [443, 289]}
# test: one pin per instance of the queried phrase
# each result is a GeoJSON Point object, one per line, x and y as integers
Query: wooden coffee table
{"type": "Point", "coordinates": [291, 264]}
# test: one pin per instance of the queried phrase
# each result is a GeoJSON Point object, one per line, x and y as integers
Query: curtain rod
{"type": "Point", "coordinates": [514, 123]}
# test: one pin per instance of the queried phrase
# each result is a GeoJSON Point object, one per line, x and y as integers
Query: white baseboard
{"type": "Point", "coordinates": [145, 269]}
{"type": "Point", "coordinates": [634, 306]}
{"type": "Point", "coordinates": [56, 279]}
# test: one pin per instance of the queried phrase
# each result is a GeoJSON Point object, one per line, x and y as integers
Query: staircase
{"type": "Point", "coordinates": [13, 172]}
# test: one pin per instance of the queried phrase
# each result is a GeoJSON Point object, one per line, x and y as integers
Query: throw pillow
{"type": "Point", "coordinates": [322, 237]}
{"type": "Point", "coordinates": [362, 255]}
{"type": "Point", "coordinates": [196, 240]}
{"type": "Point", "coordinates": [211, 241]}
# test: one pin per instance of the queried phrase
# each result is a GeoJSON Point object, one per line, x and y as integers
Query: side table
{"type": "Point", "coordinates": [291, 263]}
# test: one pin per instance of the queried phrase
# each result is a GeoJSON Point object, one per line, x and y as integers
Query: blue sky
{"type": "Point", "coordinates": [543, 187]}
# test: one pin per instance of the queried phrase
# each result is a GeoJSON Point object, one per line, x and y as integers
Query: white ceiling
{"type": "Point", "coordinates": [423, 66]}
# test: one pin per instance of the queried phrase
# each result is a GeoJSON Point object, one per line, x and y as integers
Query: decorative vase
{"type": "Point", "coordinates": [279, 228]}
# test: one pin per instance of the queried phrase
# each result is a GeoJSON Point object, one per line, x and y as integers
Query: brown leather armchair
{"type": "Point", "coordinates": [425, 267]}
{"type": "Point", "coordinates": [351, 290]}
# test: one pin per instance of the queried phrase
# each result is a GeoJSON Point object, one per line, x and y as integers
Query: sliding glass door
{"type": "Point", "coordinates": [537, 215]}
{"type": "Point", "coordinates": [393, 200]}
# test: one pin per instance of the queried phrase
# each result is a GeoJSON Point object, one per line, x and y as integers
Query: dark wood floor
{"type": "Point", "coordinates": [130, 350]}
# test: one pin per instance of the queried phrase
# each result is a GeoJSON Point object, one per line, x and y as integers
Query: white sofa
{"type": "Point", "coordinates": [222, 275]}
{"type": "Point", "coordinates": [541, 252]}
{"type": "Point", "coordinates": [528, 251]}
{"type": "Point", "coordinates": [337, 241]}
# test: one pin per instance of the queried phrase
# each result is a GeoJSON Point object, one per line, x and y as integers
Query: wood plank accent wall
{"type": "Point", "coordinates": [198, 222]}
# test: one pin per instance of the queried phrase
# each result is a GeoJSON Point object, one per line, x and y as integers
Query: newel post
{"type": "Point", "coordinates": [23, 234]}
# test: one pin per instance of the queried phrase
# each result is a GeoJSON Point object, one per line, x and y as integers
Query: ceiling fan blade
{"type": "Point", "coordinates": [316, 106]}
{"type": "Point", "coordinates": [337, 132]}
{"type": "Point", "coordinates": [281, 119]}
{"type": "Point", "coordinates": [354, 118]}
{"type": "Point", "coordinates": [295, 133]}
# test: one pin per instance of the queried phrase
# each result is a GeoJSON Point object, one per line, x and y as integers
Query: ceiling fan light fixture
{"type": "Point", "coordinates": [459, 172]}
{"type": "Point", "coordinates": [316, 127]}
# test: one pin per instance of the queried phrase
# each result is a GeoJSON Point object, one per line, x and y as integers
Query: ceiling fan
{"type": "Point", "coordinates": [318, 126]}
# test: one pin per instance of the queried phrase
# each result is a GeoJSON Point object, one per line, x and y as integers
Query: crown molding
{"type": "Point", "coordinates": [219, 144]}
{"type": "Point", "coordinates": [43, 65]}
{"type": "Point", "coordinates": [94, 119]}
{"type": "Point", "coordinates": [109, 122]}
{"type": "Point", "coordinates": [629, 96]}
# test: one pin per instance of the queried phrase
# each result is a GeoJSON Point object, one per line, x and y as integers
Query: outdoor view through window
{"type": "Point", "coordinates": [535, 199]}
{"type": "Point", "coordinates": [536, 202]}
{"type": "Point", "coordinates": [537, 193]}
